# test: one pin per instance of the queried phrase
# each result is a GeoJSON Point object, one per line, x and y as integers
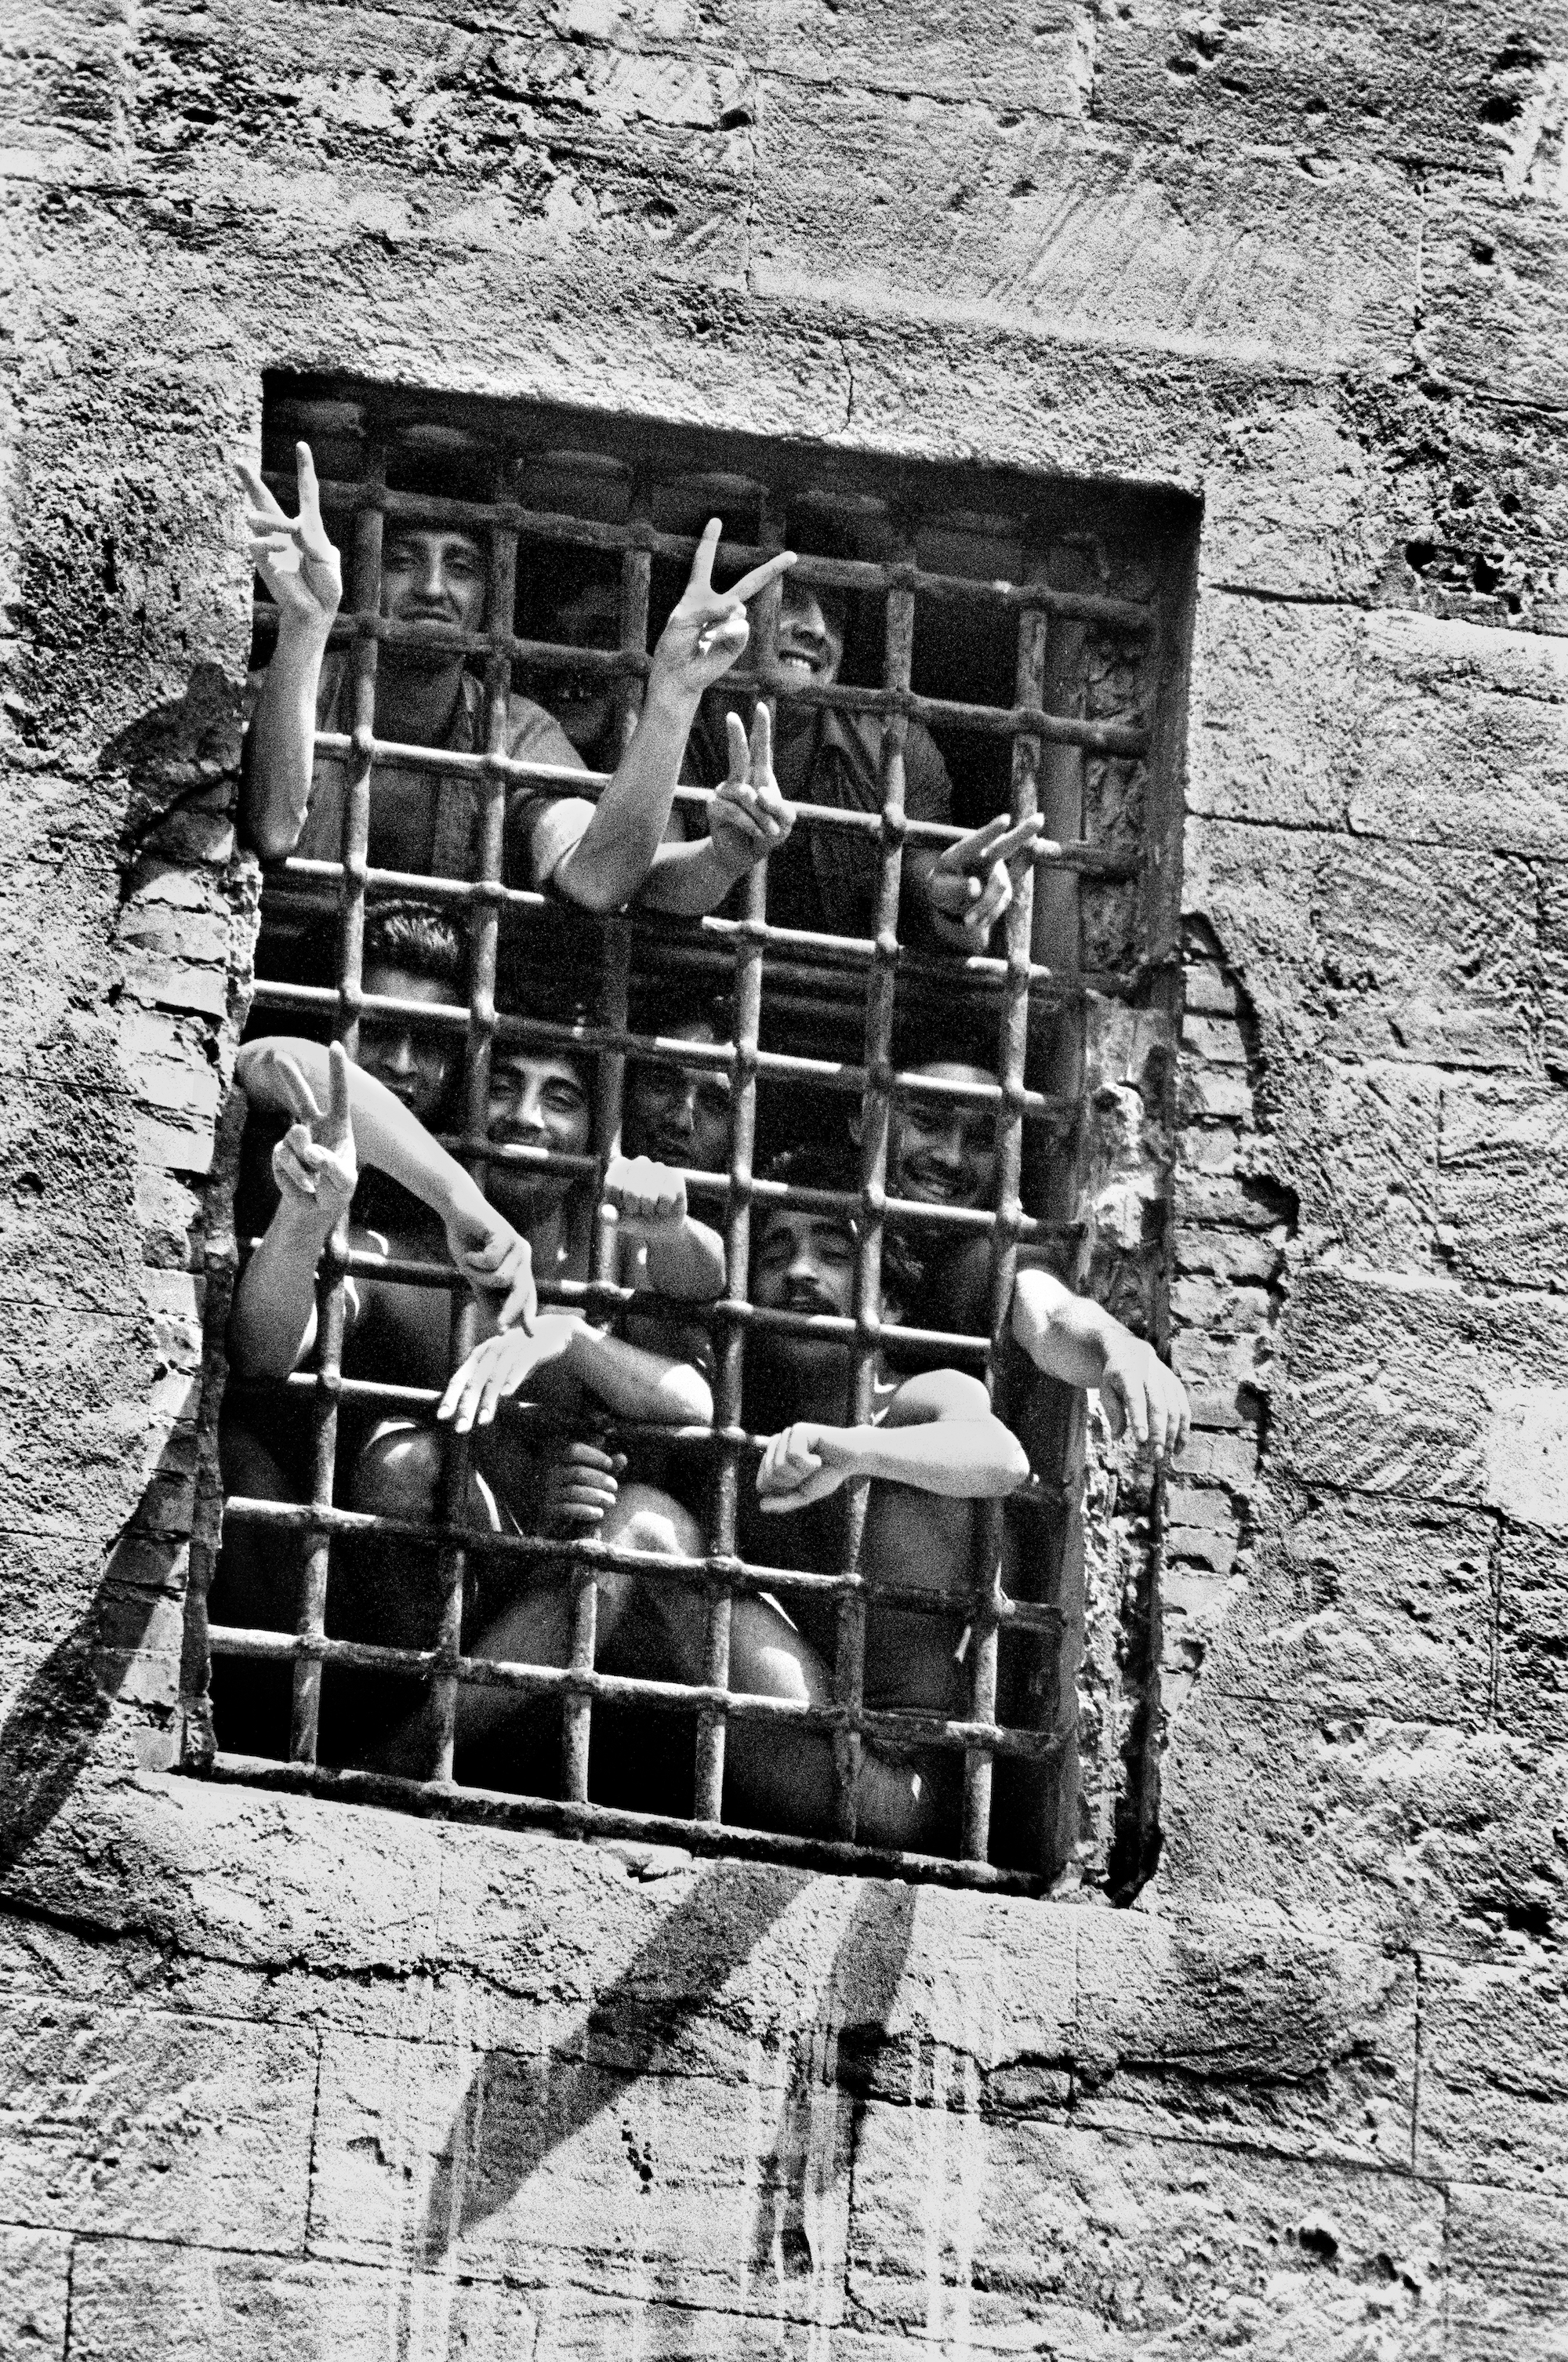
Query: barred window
{"type": "Point", "coordinates": [1005, 645]}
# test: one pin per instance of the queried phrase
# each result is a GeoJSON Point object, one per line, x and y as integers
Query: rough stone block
{"type": "Point", "coordinates": [1357, 1606]}
{"type": "Point", "coordinates": [1461, 735]}
{"type": "Point", "coordinates": [1502, 1188]}
{"type": "Point", "coordinates": [1385, 1830]}
{"type": "Point", "coordinates": [1021, 219]}
{"type": "Point", "coordinates": [188, 2304]}
{"type": "Point", "coordinates": [156, 2125]}
{"type": "Point", "coordinates": [1375, 84]}
{"type": "Point", "coordinates": [1493, 279]}
{"type": "Point", "coordinates": [549, 2171]}
{"type": "Point", "coordinates": [1206, 2028]}
{"type": "Point", "coordinates": [1494, 2082]}
{"type": "Point", "coordinates": [1532, 1632]}
{"type": "Point", "coordinates": [1507, 2254]}
{"type": "Point", "coordinates": [1410, 1387]}
{"type": "Point", "coordinates": [963, 2225]}
{"type": "Point", "coordinates": [35, 2268]}
{"type": "Point", "coordinates": [1270, 733]}
{"type": "Point", "coordinates": [1373, 950]}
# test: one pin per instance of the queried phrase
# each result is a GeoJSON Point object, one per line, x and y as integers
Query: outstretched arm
{"type": "Point", "coordinates": [301, 569]}
{"type": "Point", "coordinates": [940, 1435]}
{"type": "Point", "coordinates": [493, 1256]}
{"type": "Point", "coordinates": [1071, 1338]}
{"type": "Point", "coordinates": [705, 634]}
{"type": "Point", "coordinates": [272, 1323]}
{"type": "Point", "coordinates": [627, 1379]}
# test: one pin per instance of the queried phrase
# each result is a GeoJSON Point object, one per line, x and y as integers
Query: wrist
{"type": "Point", "coordinates": [665, 701]}
{"type": "Point", "coordinates": [305, 635]}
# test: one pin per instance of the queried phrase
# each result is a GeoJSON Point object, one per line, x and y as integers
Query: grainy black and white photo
{"type": "Point", "coordinates": [785, 1182]}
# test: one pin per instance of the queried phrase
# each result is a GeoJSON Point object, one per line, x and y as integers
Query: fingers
{"type": "Point", "coordinates": [291, 1163]}
{"type": "Point", "coordinates": [999, 840]}
{"type": "Point", "coordinates": [338, 1125]}
{"type": "Point", "coordinates": [520, 1309]}
{"type": "Point", "coordinates": [261, 501]}
{"type": "Point", "coordinates": [760, 576]}
{"type": "Point", "coordinates": [702, 574]}
{"type": "Point", "coordinates": [995, 896]}
{"type": "Point", "coordinates": [301, 1099]}
{"type": "Point", "coordinates": [740, 753]}
{"type": "Point", "coordinates": [310, 490]}
{"type": "Point", "coordinates": [642, 1191]}
{"type": "Point", "coordinates": [726, 635]}
{"type": "Point", "coordinates": [762, 748]}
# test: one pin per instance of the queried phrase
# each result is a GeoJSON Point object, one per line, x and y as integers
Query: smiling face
{"type": "Point", "coordinates": [432, 575]}
{"type": "Point", "coordinates": [680, 1115]}
{"type": "Point", "coordinates": [811, 633]}
{"type": "Point", "coordinates": [538, 1099]}
{"type": "Point", "coordinates": [415, 1064]}
{"type": "Point", "coordinates": [943, 1153]}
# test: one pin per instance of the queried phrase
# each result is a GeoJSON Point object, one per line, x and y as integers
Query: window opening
{"type": "Point", "coordinates": [1022, 636]}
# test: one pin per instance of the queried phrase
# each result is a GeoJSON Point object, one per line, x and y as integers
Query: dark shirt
{"type": "Point", "coordinates": [825, 880]}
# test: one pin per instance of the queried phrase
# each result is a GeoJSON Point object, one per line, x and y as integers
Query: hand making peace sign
{"type": "Point", "coordinates": [970, 884]}
{"type": "Point", "coordinates": [314, 1161]}
{"type": "Point", "coordinates": [708, 629]}
{"type": "Point", "coordinates": [292, 555]}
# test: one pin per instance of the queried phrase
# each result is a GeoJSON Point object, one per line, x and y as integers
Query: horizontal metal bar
{"type": "Point", "coordinates": [730, 1574]}
{"type": "Point", "coordinates": [496, 1807]}
{"type": "Point", "coordinates": [831, 573]}
{"type": "Point", "coordinates": [1099, 737]}
{"type": "Point", "coordinates": [514, 1026]}
{"type": "Point", "coordinates": [900, 1727]}
{"type": "Point", "coordinates": [1081, 855]}
{"type": "Point", "coordinates": [710, 942]}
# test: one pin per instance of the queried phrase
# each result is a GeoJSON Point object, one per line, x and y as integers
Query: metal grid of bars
{"type": "Point", "coordinates": [1010, 984]}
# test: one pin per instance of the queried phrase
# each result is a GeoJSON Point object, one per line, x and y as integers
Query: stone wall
{"type": "Point", "coordinates": [283, 2078]}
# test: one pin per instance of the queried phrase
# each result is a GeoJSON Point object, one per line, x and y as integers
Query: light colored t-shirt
{"type": "Point", "coordinates": [429, 825]}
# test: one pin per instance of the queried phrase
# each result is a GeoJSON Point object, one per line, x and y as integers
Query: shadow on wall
{"type": "Point", "coordinates": [124, 1648]}
{"type": "Point", "coordinates": [517, 2111]}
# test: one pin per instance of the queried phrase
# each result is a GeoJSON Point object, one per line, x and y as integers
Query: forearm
{"type": "Point", "coordinates": [965, 1459]}
{"type": "Point", "coordinates": [618, 848]}
{"type": "Point", "coordinates": [688, 881]}
{"type": "Point", "coordinates": [1064, 1335]}
{"type": "Point", "coordinates": [635, 1384]}
{"type": "Point", "coordinates": [385, 1135]}
{"type": "Point", "coordinates": [688, 1263]}
{"type": "Point", "coordinates": [281, 748]}
{"type": "Point", "coordinates": [272, 1323]}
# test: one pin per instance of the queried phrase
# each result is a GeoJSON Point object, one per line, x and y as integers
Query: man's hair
{"type": "Point", "coordinates": [411, 936]}
{"type": "Point", "coordinates": [428, 464]}
{"type": "Point", "coordinates": [929, 1035]}
{"type": "Point", "coordinates": [661, 1008]}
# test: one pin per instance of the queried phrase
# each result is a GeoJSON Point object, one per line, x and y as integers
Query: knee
{"type": "Point", "coordinates": [645, 1519]}
{"type": "Point", "coordinates": [398, 1474]}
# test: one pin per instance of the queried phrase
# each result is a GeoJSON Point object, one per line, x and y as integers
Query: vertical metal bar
{"type": "Point", "coordinates": [745, 1023]}
{"type": "Point", "coordinates": [849, 1666]}
{"type": "Point", "coordinates": [484, 929]}
{"type": "Point", "coordinates": [1012, 1046]}
{"type": "Point", "coordinates": [311, 1621]}
{"type": "Point", "coordinates": [577, 1712]}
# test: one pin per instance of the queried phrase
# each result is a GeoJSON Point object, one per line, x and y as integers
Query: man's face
{"type": "Point", "coordinates": [811, 634]}
{"type": "Point", "coordinates": [432, 575]}
{"type": "Point", "coordinates": [680, 1115]}
{"type": "Point", "coordinates": [538, 1099]}
{"type": "Point", "coordinates": [416, 1065]}
{"type": "Point", "coordinates": [939, 1153]}
{"type": "Point", "coordinates": [804, 1263]}
{"type": "Point", "coordinates": [584, 702]}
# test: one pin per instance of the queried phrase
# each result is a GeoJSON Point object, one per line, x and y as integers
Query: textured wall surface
{"type": "Point", "coordinates": [281, 2079]}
